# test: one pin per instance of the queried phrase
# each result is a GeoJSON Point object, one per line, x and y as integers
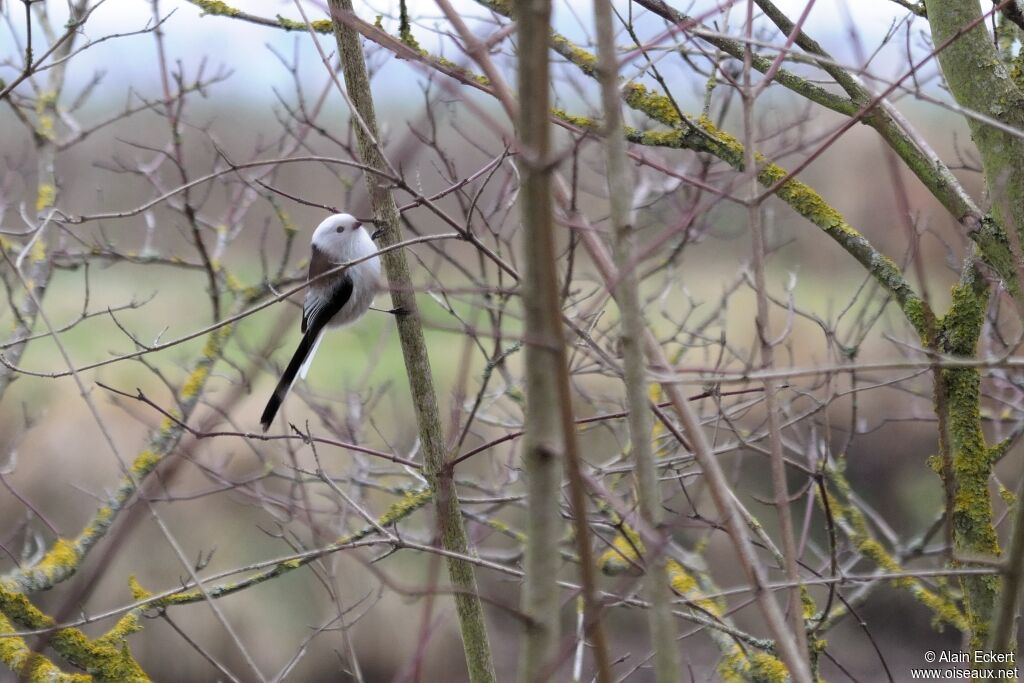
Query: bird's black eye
{"type": "Point", "coordinates": [340, 228]}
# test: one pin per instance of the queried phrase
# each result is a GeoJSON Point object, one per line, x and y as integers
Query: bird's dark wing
{"type": "Point", "coordinates": [322, 306]}
{"type": "Point", "coordinates": [327, 296]}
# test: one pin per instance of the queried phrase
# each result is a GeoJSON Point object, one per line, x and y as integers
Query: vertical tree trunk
{"type": "Point", "coordinates": [980, 82]}
{"type": "Point", "coordinates": [550, 431]}
{"type": "Point", "coordinates": [417, 363]}
{"type": "Point", "coordinates": [543, 442]}
{"type": "Point", "coordinates": [627, 297]}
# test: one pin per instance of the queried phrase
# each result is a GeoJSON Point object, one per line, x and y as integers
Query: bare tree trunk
{"type": "Point", "coordinates": [543, 442]}
{"type": "Point", "coordinates": [627, 297]}
{"type": "Point", "coordinates": [417, 363]}
{"type": "Point", "coordinates": [543, 445]}
{"type": "Point", "coordinates": [550, 431]}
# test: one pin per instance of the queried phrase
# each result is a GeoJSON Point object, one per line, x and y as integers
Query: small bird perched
{"type": "Point", "coordinates": [331, 301]}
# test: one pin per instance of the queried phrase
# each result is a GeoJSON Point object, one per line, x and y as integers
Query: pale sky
{"type": "Point", "coordinates": [242, 47]}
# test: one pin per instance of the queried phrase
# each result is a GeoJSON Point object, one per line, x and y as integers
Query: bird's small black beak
{"type": "Point", "coordinates": [376, 234]}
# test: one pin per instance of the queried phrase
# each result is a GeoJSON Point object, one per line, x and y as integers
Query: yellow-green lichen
{"type": "Point", "coordinates": [125, 626]}
{"type": "Point", "coordinates": [624, 554]}
{"type": "Point", "coordinates": [962, 324]}
{"type": "Point", "coordinates": [733, 147]}
{"type": "Point", "coordinates": [456, 69]}
{"type": "Point", "coordinates": [684, 583]}
{"type": "Point", "coordinates": [809, 606]}
{"type": "Point", "coordinates": [138, 592]}
{"type": "Point", "coordinates": [405, 506]}
{"type": "Point", "coordinates": [104, 515]}
{"type": "Point", "coordinates": [38, 252]}
{"type": "Point", "coordinates": [411, 501]}
{"type": "Point", "coordinates": [972, 458]}
{"type": "Point", "coordinates": [654, 395]}
{"type": "Point", "coordinates": [286, 221]}
{"type": "Point", "coordinates": [680, 579]}
{"type": "Point", "coordinates": [215, 343]}
{"type": "Point", "coordinates": [504, 528]}
{"type": "Point", "coordinates": [46, 100]}
{"type": "Point", "coordinates": [195, 382]}
{"type": "Point", "coordinates": [849, 518]}
{"type": "Point", "coordinates": [1017, 70]}
{"type": "Point", "coordinates": [318, 26]}
{"type": "Point", "coordinates": [1007, 495]}
{"type": "Point", "coordinates": [658, 107]}
{"type": "Point", "coordinates": [916, 312]}
{"type": "Point", "coordinates": [585, 60]}
{"type": "Point", "coordinates": [675, 139]}
{"type": "Point", "coordinates": [765, 668]}
{"type": "Point", "coordinates": [736, 666]}
{"type": "Point", "coordinates": [997, 451]}
{"type": "Point", "coordinates": [216, 8]}
{"type": "Point", "coordinates": [29, 665]}
{"type": "Point", "coordinates": [807, 202]}
{"type": "Point", "coordinates": [624, 557]}
{"type": "Point", "coordinates": [584, 122]}
{"type": "Point", "coordinates": [63, 555]}
{"type": "Point", "coordinates": [233, 283]}
{"type": "Point", "coordinates": [107, 658]}
{"type": "Point", "coordinates": [46, 127]}
{"type": "Point", "coordinates": [944, 608]}
{"type": "Point", "coordinates": [45, 196]}
{"type": "Point", "coordinates": [799, 195]}
{"type": "Point", "coordinates": [873, 550]}
{"type": "Point", "coordinates": [145, 462]}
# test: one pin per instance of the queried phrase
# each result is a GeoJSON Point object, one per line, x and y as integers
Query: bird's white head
{"type": "Point", "coordinates": [340, 227]}
{"type": "Point", "coordinates": [342, 235]}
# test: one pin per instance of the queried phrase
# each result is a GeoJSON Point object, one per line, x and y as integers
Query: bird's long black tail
{"type": "Point", "coordinates": [306, 346]}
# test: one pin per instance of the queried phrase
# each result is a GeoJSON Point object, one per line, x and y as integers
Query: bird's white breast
{"type": "Point", "coordinates": [365, 275]}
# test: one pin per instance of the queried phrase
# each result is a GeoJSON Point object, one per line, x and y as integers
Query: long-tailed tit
{"type": "Point", "coordinates": [331, 301]}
